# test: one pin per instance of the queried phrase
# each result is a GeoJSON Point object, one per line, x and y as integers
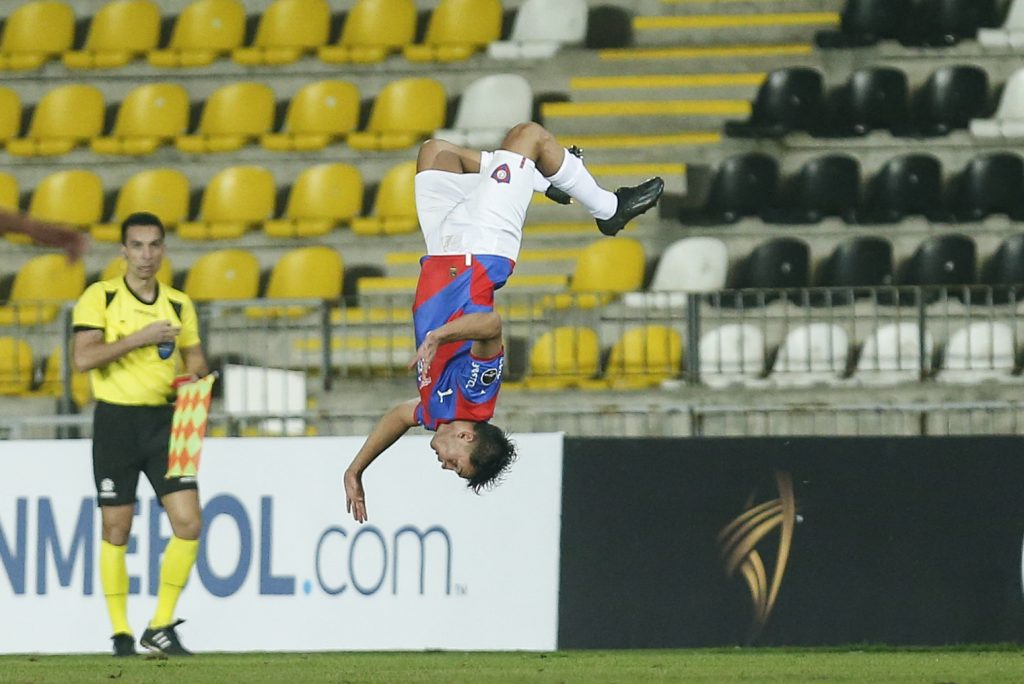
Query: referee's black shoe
{"type": "Point", "coordinates": [633, 201]}
{"type": "Point", "coordinates": [124, 645]}
{"type": "Point", "coordinates": [164, 640]}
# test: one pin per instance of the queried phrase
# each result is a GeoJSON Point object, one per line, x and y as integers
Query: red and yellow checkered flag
{"type": "Point", "coordinates": [189, 427]}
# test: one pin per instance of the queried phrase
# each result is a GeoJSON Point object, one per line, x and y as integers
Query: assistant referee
{"type": "Point", "coordinates": [134, 335]}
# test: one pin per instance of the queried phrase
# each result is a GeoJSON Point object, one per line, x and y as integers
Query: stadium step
{"type": "Point", "coordinates": [653, 117]}
{"type": "Point", "coordinates": [739, 55]}
{"type": "Point", "coordinates": [717, 86]}
{"type": "Point", "coordinates": [703, 29]}
{"type": "Point", "coordinates": [688, 7]}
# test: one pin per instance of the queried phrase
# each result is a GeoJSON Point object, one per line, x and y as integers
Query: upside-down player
{"type": "Point", "coordinates": [472, 207]}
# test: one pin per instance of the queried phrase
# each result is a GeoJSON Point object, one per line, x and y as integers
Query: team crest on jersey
{"type": "Point", "coordinates": [489, 376]}
{"type": "Point", "coordinates": [501, 174]}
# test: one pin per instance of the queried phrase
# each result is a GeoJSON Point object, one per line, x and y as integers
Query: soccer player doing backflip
{"type": "Point", "coordinates": [471, 207]}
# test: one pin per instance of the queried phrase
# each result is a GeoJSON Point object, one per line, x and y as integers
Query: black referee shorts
{"type": "Point", "coordinates": [126, 441]}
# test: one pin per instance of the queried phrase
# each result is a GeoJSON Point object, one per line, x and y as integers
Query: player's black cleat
{"type": "Point", "coordinates": [576, 151]}
{"type": "Point", "coordinates": [164, 640]}
{"type": "Point", "coordinates": [633, 201]}
{"type": "Point", "coordinates": [124, 645]}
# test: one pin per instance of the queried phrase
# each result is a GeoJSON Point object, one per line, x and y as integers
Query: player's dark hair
{"type": "Point", "coordinates": [493, 455]}
{"type": "Point", "coordinates": [140, 218]}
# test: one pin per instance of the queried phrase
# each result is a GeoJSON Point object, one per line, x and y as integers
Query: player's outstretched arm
{"type": "Point", "coordinates": [395, 423]}
{"type": "Point", "coordinates": [45, 234]}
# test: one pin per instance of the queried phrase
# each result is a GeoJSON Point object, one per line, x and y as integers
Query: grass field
{"type": "Point", "coordinates": [947, 666]}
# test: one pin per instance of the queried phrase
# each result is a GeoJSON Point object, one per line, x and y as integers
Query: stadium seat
{"type": "Point", "coordinates": [74, 197]}
{"type": "Point", "coordinates": [319, 114]}
{"type": "Point", "coordinates": [732, 354]}
{"type": "Point", "coordinates": [948, 260]}
{"type": "Point", "coordinates": [541, 28]}
{"type": "Point", "coordinates": [223, 275]}
{"type": "Point", "coordinates": [874, 98]}
{"type": "Point", "coordinates": [304, 273]}
{"type": "Point", "coordinates": [64, 118]}
{"type": "Point", "coordinates": [989, 184]}
{"type": "Point", "coordinates": [693, 264]}
{"type": "Point", "coordinates": [563, 358]}
{"type": "Point", "coordinates": [945, 22]}
{"type": "Point", "coordinates": [203, 31]}
{"type": "Point", "coordinates": [10, 195]}
{"type": "Point", "coordinates": [778, 263]}
{"type": "Point", "coordinates": [151, 115]}
{"type": "Point", "coordinates": [609, 27]}
{"type": "Point", "coordinates": [287, 30]}
{"type": "Point", "coordinates": [855, 268]}
{"type": "Point", "coordinates": [40, 286]}
{"type": "Point", "coordinates": [457, 29]}
{"type": "Point", "coordinates": [865, 22]}
{"type": "Point", "coordinates": [233, 115]}
{"type": "Point", "coordinates": [811, 354]}
{"type": "Point", "coordinates": [117, 267]}
{"type": "Point", "coordinates": [1010, 34]}
{"type": "Point", "coordinates": [403, 113]}
{"type": "Point", "coordinates": [394, 208]}
{"type": "Point", "coordinates": [828, 185]}
{"type": "Point", "coordinates": [164, 192]}
{"type": "Point", "coordinates": [16, 366]}
{"type": "Point", "coordinates": [1008, 121]}
{"type": "Point", "coordinates": [121, 31]}
{"type": "Point", "coordinates": [951, 97]}
{"type": "Point", "coordinates": [236, 199]}
{"type": "Point", "coordinates": [789, 100]}
{"type": "Point", "coordinates": [1004, 270]}
{"type": "Point", "coordinates": [373, 29]}
{"type": "Point", "coordinates": [644, 357]}
{"type": "Point", "coordinates": [744, 185]}
{"type": "Point", "coordinates": [10, 115]}
{"type": "Point", "coordinates": [52, 382]}
{"type": "Point", "coordinates": [322, 197]}
{"type": "Point", "coordinates": [892, 354]}
{"type": "Point", "coordinates": [979, 351]}
{"type": "Point", "coordinates": [604, 269]}
{"type": "Point", "coordinates": [908, 185]}
{"type": "Point", "coordinates": [488, 108]}
{"type": "Point", "coordinates": [35, 33]}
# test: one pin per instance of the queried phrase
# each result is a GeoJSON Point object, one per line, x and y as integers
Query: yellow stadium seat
{"type": "Point", "coordinates": [373, 29]}
{"type": "Point", "coordinates": [39, 286]}
{"type": "Point", "coordinates": [52, 384]}
{"type": "Point", "coordinates": [644, 356]}
{"type": "Point", "coordinates": [563, 357]}
{"type": "Point", "coordinates": [204, 31]}
{"type": "Point", "coordinates": [233, 116]}
{"type": "Point", "coordinates": [319, 114]}
{"type": "Point", "coordinates": [457, 29]}
{"type": "Point", "coordinates": [236, 199]}
{"type": "Point", "coordinates": [222, 275]}
{"type": "Point", "coordinates": [404, 112]}
{"type": "Point", "coordinates": [15, 366]}
{"type": "Point", "coordinates": [10, 197]}
{"type": "Point", "coordinates": [36, 33]}
{"type": "Point", "coordinates": [150, 116]}
{"type": "Point", "coordinates": [117, 267]}
{"type": "Point", "coordinates": [322, 197]}
{"type": "Point", "coordinates": [74, 197]}
{"type": "Point", "coordinates": [304, 273]}
{"type": "Point", "coordinates": [605, 268]}
{"type": "Point", "coordinates": [287, 30]}
{"type": "Point", "coordinates": [66, 117]}
{"type": "Point", "coordinates": [164, 192]}
{"type": "Point", "coordinates": [121, 31]}
{"type": "Point", "coordinates": [394, 210]}
{"type": "Point", "coordinates": [10, 114]}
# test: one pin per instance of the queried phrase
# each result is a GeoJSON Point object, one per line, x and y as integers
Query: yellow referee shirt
{"type": "Point", "coordinates": [144, 376]}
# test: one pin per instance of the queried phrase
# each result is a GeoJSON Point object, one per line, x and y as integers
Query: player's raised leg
{"type": "Point", "coordinates": [566, 171]}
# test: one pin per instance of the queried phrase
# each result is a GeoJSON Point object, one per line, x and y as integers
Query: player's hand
{"type": "Point", "coordinates": [157, 332]}
{"type": "Point", "coordinates": [425, 354]}
{"type": "Point", "coordinates": [72, 241]}
{"type": "Point", "coordinates": [355, 498]}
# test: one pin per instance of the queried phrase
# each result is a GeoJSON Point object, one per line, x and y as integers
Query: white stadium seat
{"type": "Point", "coordinates": [892, 354]}
{"type": "Point", "coordinates": [1008, 121]}
{"type": "Point", "coordinates": [812, 353]}
{"type": "Point", "coordinates": [1010, 34]}
{"type": "Point", "coordinates": [979, 351]}
{"type": "Point", "coordinates": [732, 354]}
{"type": "Point", "coordinates": [694, 264]}
{"type": "Point", "coordinates": [541, 28]}
{"type": "Point", "coordinates": [488, 108]}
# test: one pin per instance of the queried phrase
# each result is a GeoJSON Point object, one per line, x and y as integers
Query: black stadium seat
{"type": "Point", "coordinates": [780, 263]}
{"type": "Point", "coordinates": [942, 260]}
{"type": "Point", "coordinates": [828, 185]}
{"type": "Point", "coordinates": [865, 22]}
{"type": "Point", "coordinates": [950, 98]}
{"type": "Point", "coordinates": [861, 263]}
{"type": "Point", "coordinates": [946, 22]}
{"type": "Point", "coordinates": [872, 98]}
{"type": "Point", "coordinates": [990, 184]}
{"type": "Point", "coordinates": [788, 100]}
{"type": "Point", "coordinates": [744, 185]}
{"type": "Point", "coordinates": [1004, 270]}
{"type": "Point", "coordinates": [910, 184]}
